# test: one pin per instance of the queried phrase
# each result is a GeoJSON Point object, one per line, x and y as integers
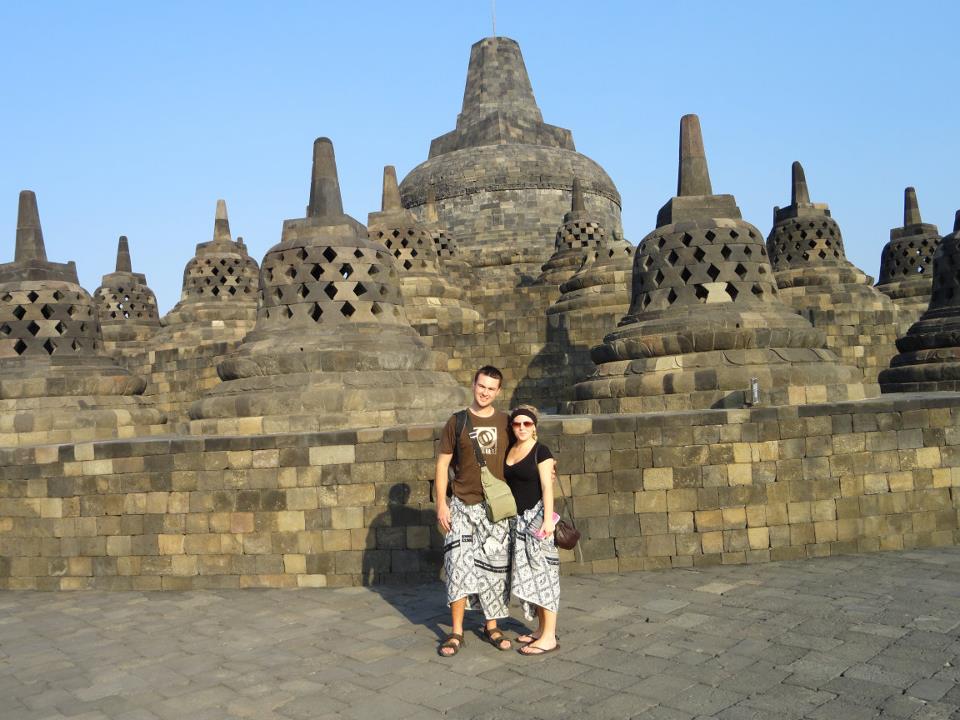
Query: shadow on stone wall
{"type": "Point", "coordinates": [551, 375]}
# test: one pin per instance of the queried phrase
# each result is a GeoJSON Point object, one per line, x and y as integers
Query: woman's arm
{"type": "Point", "coordinates": [546, 470]}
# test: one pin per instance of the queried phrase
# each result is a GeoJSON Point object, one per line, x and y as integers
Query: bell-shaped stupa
{"type": "Point", "coordinates": [706, 324]}
{"type": "Point", "coordinates": [816, 279]}
{"type": "Point", "coordinates": [929, 358]}
{"type": "Point", "coordinates": [429, 298]}
{"type": "Point", "coordinates": [503, 176]}
{"type": "Point", "coordinates": [451, 263]}
{"type": "Point", "coordinates": [57, 384]}
{"type": "Point", "coordinates": [577, 236]}
{"type": "Point", "coordinates": [127, 307]}
{"type": "Point", "coordinates": [905, 263]}
{"type": "Point", "coordinates": [332, 347]}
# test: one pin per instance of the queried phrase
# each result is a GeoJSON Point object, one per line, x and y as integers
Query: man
{"type": "Point", "coordinates": [476, 552]}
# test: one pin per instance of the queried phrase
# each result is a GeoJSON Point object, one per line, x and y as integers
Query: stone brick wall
{"type": "Point", "coordinates": [342, 508]}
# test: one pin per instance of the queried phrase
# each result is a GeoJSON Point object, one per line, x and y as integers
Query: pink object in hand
{"type": "Point", "coordinates": [540, 534]}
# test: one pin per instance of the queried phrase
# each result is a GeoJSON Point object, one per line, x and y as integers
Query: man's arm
{"type": "Point", "coordinates": [440, 481]}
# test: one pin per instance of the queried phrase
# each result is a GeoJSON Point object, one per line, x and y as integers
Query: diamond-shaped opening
{"type": "Point", "coordinates": [699, 254]}
{"type": "Point", "coordinates": [20, 347]}
{"type": "Point", "coordinates": [819, 233]}
{"type": "Point", "coordinates": [32, 296]}
{"type": "Point", "coordinates": [661, 242]}
{"type": "Point", "coordinates": [33, 328]}
{"type": "Point", "coordinates": [701, 292]}
{"type": "Point", "coordinates": [413, 252]}
{"type": "Point", "coordinates": [645, 301]}
{"type": "Point", "coordinates": [223, 261]}
{"type": "Point", "coordinates": [290, 272]}
{"type": "Point", "coordinates": [375, 309]}
{"type": "Point", "coordinates": [812, 244]}
{"type": "Point", "coordinates": [303, 291]}
{"type": "Point", "coordinates": [383, 290]}
{"type": "Point", "coordinates": [359, 290]}
{"type": "Point", "coordinates": [5, 329]}
{"type": "Point", "coordinates": [740, 270]}
{"type": "Point", "coordinates": [215, 272]}
{"type": "Point", "coordinates": [358, 253]}
{"type": "Point", "coordinates": [686, 239]}
{"type": "Point", "coordinates": [713, 271]}
{"type": "Point", "coordinates": [396, 232]}
{"type": "Point", "coordinates": [374, 270]}
{"type": "Point", "coordinates": [287, 312]}
{"type": "Point", "coordinates": [407, 264]}
{"type": "Point", "coordinates": [763, 251]}
{"type": "Point", "coordinates": [75, 345]}
{"type": "Point", "coordinates": [757, 290]}
{"type": "Point", "coordinates": [347, 310]}
{"type": "Point", "coordinates": [726, 252]}
{"type": "Point", "coordinates": [215, 292]}
{"type": "Point", "coordinates": [672, 257]}
{"type": "Point", "coordinates": [301, 254]}
{"type": "Point", "coordinates": [330, 254]}
{"type": "Point", "coordinates": [346, 270]}
{"type": "Point", "coordinates": [49, 346]}
{"type": "Point", "coordinates": [762, 269]}
{"type": "Point", "coordinates": [57, 295]}
{"type": "Point", "coordinates": [671, 296]}
{"type": "Point", "coordinates": [330, 290]}
{"type": "Point", "coordinates": [710, 235]}
{"type": "Point", "coordinates": [278, 294]}
{"type": "Point", "coordinates": [747, 251]}
{"type": "Point", "coordinates": [647, 262]}
{"type": "Point", "coordinates": [316, 271]}
{"type": "Point", "coordinates": [19, 311]}
{"type": "Point", "coordinates": [732, 291]}
{"type": "Point", "coordinates": [734, 234]}
{"type": "Point", "coordinates": [685, 274]}
{"type": "Point", "coordinates": [822, 254]}
{"type": "Point", "coordinates": [316, 312]}
{"type": "Point", "coordinates": [658, 278]}
{"type": "Point", "coordinates": [46, 311]}
{"type": "Point", "coordinates": [404, 243]}
{"type": "Point", "coordinates": [59, 327]}
{"type": "Point", "coordinates": [230, 270]}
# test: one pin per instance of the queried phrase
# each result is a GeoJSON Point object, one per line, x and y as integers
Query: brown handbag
{"type": "Point", "coordinates": [565, 534]}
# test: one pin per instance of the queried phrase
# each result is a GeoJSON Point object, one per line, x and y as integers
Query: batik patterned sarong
{"type": "Point", "coordinates": [476, 559]}
{"type": "Point", "coordinates": [535, 576]}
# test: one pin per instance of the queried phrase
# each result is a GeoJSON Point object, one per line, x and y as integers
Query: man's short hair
{"type": "Point", "coordinates": [491, 372]}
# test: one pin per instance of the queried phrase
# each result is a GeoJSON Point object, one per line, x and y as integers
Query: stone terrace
{"type": "Point", "coordinates": [869, 636]}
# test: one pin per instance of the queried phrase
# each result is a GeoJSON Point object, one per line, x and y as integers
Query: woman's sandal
{"type": "Point", "coordinates": [531, 650]}
{"type": "Point", "coordinates": [495, 637]}
{"type": "Point", "coordinates": [455, 641]}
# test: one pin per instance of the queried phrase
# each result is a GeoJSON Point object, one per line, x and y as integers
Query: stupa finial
{"type": "Point", "coordinates": [693, 177]}
{"type": "Point", "coordinates": [325, 200]}
{"type": "Point", "coordinates": [956, 222]}
{"type": "Point", "coordinates": [390, 199]}
{"type": "Point", "coordinates": [911, 208]}
{"type": "Point", "coordinates": [799, 193]}
{"type": "Point", "coordinates": [123, 256]}
{"type": "Point", "coordinates": [221, 224]}
{"type": "Point", "coordinates": [29, 233]}
{"type": "Point", "coordinates": [576, 203]}
{"type": "Point", "coordinates": [430, 208]}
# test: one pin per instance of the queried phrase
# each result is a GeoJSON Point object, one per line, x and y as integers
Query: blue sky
{"type": "Point", "coordinates": [133, 118]}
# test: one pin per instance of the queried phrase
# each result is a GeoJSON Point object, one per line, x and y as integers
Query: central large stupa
{"type": "Point", "coordinates": [503, 177]}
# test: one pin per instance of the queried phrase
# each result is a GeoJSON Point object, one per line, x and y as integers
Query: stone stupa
{"type": "Point", "coordinates": [577, 236]}
{"type": "Point", "coordinates": [57, 384]}
{"type": "Point", "coordinates": [816, 279]}
{"type": "Point", "coordinates": [706, 324]}
{"type": "Point", "coordinates": [332, 347]}
{"type": "Point", "coordinates": [127, 306]}
{"type": "Point", "coordinates": [905, 263]}
{"type": "Point", "coordinates": [432, 303]}
{"type": "Point", "coordinates": [503, 176]}
{"type": "Point", "coordinates": [451, 263]}
{"type": "Point", "coordinates": [929, 358]}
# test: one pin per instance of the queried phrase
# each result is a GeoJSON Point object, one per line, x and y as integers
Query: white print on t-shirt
{"type": "Point", "coordinates": [487, 439]}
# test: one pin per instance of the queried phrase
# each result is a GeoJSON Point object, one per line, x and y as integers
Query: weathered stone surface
{"type": "Point", "coordinates": [127, 307]}
{"type": "Point", "coordinates": [332, 346]}
{"type": "Point", "coordinates": [706, 318]}
{"type": "Point", "coordinates": [929, 356]}
{"type": "Point", "coordinates": [816, 279]}
{"type": "Point", "coordinates": [906, 262]}
{"type": "Point", "coordinates": [56, 381]}
{"type": "Point", "coordinates": [577, 237]}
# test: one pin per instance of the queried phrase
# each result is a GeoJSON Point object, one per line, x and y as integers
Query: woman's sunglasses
{"type": "Point", "coordinates": [522, 423]}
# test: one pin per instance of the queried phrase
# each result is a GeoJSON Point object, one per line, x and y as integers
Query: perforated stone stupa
{"type": "Point", "coordinates": [905, 263]}
{"type": "Point", "coordinates": [929, 358]}
{"type": "Point", "coordinates": [502, 177]}
{"type": "Point", "coordinates": [816, 279]}
{"type": "Point", "coordinates": [429, 297]}
{"type": "Point", "coordinates": [576, 237]}
{"type": "Point", "coordinates": [127, 306]}
{"type": "Point", "coordinates": [332, 347]}
{"type": "Point", "coordinates": [56, 382]}
{"type": "Point", "coordinates": [706, 317]}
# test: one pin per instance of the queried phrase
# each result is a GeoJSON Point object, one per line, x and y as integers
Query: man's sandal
{"type": "Point", "coordinates": [495, 637]}
{"type": "Point", "coordinates": [455, 641]}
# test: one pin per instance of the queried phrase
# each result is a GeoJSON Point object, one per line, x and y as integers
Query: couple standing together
{"type": "Point", "coordinates": [485, 561]}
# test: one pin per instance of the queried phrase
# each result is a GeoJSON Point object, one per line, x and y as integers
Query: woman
{"type": "Point", "coordinates": [535, 572]}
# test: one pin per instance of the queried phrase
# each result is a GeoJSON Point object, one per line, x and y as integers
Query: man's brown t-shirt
{"type": "Point", "coordinates": [492, 436]}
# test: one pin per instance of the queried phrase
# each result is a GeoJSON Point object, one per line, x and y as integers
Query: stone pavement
{"type": "Point", "coordinates": [845, 637]}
